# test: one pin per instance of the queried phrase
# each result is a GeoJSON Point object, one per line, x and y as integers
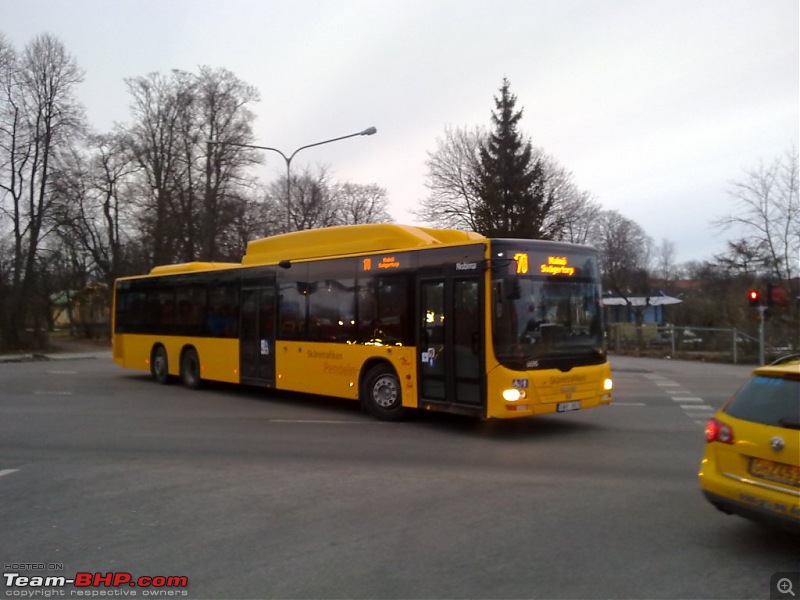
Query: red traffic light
{"type": "Point", "coordinates": [754, 296]}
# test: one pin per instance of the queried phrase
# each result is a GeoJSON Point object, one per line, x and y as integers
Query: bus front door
{"type": "Point", "coordinates": [257, 340]}
{"type": "Point", "coordinates": [450, 344]}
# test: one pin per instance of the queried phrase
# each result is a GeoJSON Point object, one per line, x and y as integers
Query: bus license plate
{"type": "Point", "coordinates": [568, 406]}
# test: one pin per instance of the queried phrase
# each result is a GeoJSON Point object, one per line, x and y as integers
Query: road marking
{"type": "Point", "coordinates": [63, 372]}
{"type": "Point", "coordinates": [52, 393]}
{"type": "Point", "coordinates": [319, 421]}
{"type": "Point", "coordinates": [628, 404]}
{"type": "Point", "coordinates": [693, 406]}
{"type": "Point", "coordinates": [7, 471]}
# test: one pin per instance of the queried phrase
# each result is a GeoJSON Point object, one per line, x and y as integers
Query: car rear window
{"type": "Point", "coordinates": [768, 400]}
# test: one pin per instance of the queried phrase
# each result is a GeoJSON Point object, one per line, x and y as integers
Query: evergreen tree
{"type": "Point", "coordinates": [515, 199]}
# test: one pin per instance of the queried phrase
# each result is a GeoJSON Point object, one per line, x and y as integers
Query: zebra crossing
{"type": "Point", "coordinates": [695, 407]}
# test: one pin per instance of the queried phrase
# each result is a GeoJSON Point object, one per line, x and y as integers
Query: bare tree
{"type": "Point", "coordinates": [221, 113]}
{"type": "Point", "coordinates": [452, 172]}
{"type": "Point", "coordinates": [312, 203]}
{"type": "Point", "coordinates": [624, 250]}
{"type": "Point", "coordinates": [111, 169]}
{"type": "Point", "coordinates": [664, 259]}
{"type": "Point", "coordinates": [578, 212]}
{"type": "Point", "coordinates": [93, 208]}
{"type": "Point", "coordinates": [152, 140]}
{"type": "Point", "coordinates": [357, 204]}
{"type": "Point", "coordinates": [190, 188]}
{"type": "Point", "coordinates": [256, 215]}
{"type": "Point", "coordinates": [767, 213]}
{"type": "Point", "coordinates": [39, 115]}
{"type": "Point", "coordinates": [574, 212]}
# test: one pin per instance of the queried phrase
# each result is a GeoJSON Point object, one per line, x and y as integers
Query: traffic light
{"type": "Point", "coordinates": [754, 296]}
{"type": "Point", "coordinates": [776, 295]}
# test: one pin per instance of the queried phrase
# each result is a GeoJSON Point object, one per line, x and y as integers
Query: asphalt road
{"type": "Point", "coordinates": [250, 494]}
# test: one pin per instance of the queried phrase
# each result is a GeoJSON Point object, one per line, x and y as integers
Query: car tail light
{"type": "Point", "coordinates": [717, 431]}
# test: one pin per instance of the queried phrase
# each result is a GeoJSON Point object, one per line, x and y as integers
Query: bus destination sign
{"type": "Point", "coordinates": [557, 265]}
{"type": "Point", "coordinates": [549, 264]}
{"type": "Point", "coordinates": [383, 263]}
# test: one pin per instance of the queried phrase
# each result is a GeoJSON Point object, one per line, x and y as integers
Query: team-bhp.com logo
{"type": "Point", "coordinates": [94, 584]}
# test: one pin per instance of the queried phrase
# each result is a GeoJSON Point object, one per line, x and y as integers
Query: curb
{"type": "Point", "coordinates": [17, 358]}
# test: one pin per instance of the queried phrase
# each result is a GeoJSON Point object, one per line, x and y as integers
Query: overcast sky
{"type": "Point", "coordinates": [656, 106]}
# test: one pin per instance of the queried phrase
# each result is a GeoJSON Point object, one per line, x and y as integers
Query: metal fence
{"type": "Point", "coordinates": [699, 343]}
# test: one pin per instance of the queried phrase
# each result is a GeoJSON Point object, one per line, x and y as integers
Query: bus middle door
{"type": "Point", "coordinates": [257, 340]}
{"type": "Point", "coordinates": [450, 343]}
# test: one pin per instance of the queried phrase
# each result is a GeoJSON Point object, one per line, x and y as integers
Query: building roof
{"type": "Point", "coordinates": [660, 300]}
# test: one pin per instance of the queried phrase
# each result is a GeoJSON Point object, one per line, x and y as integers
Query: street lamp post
{"type": "Point", "coordinates": [288, 160]}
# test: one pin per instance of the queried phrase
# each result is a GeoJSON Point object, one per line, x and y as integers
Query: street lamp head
{"type": "Point", "coordinates": [369, 131]}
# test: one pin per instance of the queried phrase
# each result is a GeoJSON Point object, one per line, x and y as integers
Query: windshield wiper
{"type": "Point", "coordinates": [789, 423]}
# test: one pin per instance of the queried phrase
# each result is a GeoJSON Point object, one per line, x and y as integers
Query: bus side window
{"type": "Point", "coordinates": [392, 305]}
{"type": "Point", "coordinates": [223, 315]}
{"type": "Point", "coordinates": [289, 320]}
{"type": "Point", "coordinates": [367, 312]}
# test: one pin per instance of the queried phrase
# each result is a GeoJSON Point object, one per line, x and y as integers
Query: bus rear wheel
{"type": "Point", "coordinates": [159, 365]}
{"type": "Point", "coordinates": [381, 394]}
{"type": "Point", "coordinates": [190, 369]}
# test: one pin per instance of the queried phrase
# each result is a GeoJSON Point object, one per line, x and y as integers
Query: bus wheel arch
{"type": "Point", "coordinates": [190, 368]}
{"type": "Point", "coordinates": [159, 364]}
{"type": "Point", "coordinates": [380, 391]}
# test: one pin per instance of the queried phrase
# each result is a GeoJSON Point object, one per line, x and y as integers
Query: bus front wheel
{"type": "Point", "coordinates": [190, 369]}
{"type": "Point", "coordinates": [381, 395]}
{"type": "Point", "coordinates": [159, 365]}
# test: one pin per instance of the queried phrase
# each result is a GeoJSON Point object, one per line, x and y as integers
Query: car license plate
{"type": "Point", "coordinates": [775, 471]}
{"type": "Point", "coordinates": [568, 406]}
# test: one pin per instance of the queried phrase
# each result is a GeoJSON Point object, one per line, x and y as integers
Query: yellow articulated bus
{"type": "Point", "coordinates": [394, 316]}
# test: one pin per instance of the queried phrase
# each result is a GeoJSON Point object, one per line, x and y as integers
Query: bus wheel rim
{"type": "Point", "coordinates": [384, 392]}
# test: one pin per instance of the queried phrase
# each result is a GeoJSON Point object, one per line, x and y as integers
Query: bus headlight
{"type": "Point", "coordinates": [607, 385]}
{"type": "Point", "coordinates": [513, 394]}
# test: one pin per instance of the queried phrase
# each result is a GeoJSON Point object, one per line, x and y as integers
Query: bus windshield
{"type": "Point", "coordinates": [546, 307]}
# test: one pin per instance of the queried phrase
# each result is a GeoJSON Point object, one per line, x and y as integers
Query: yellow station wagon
{"type": "Point", "coordinates": [751, 464]}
